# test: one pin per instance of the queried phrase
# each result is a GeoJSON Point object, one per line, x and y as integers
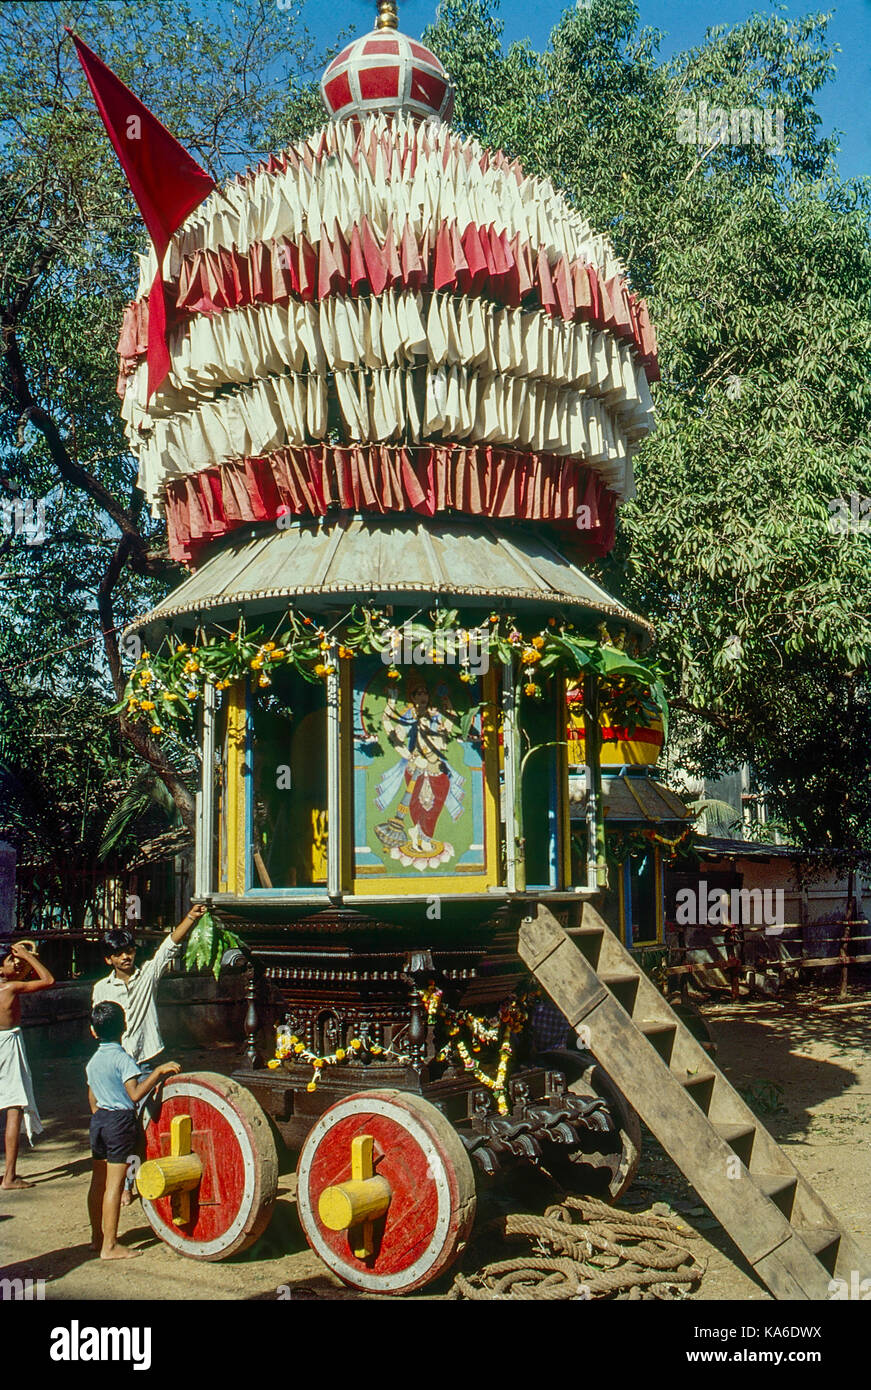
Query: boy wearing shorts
{"type": "Point", "coordinates": [114, 1089]}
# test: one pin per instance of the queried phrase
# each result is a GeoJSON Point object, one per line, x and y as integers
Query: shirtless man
{"type": "Point", "coordinates": [17, 964]}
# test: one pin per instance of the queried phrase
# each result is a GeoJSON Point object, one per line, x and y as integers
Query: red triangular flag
{"type": "Point", "coordinates": [165, 181]}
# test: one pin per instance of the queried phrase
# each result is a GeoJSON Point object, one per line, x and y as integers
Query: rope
{"type": "Point", "coordinates": [584, 1249]}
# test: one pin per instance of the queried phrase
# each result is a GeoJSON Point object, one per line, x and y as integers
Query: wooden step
{"type": "Point", "coordinates": [618, 979]}
{"type": "Point", "coordinates": [623, 984]}
{"type": "Point", "coordinates": [653, 1027]}
{"type": "Point", "coordinates": [774, 1185]}
{"type": "Point", "coordinates": [820, 1238]}
{"type": "Point", "coordinates": [660, 1035]}
{"type": "Point", "coordinates": [779, 1188]}
{"type": "Point", "coordinates": [740, 1138]}
{"type": "Point", "coordinates": [734, 1134]}
{"type": "Point", "coordinates": [701, 1078]}
{"type": "Point", "coordinates": [783, 1228]}
{"type": "Point", "coordinates": [589, 941]}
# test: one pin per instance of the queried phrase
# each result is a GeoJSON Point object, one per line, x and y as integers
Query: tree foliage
{"type": "Point", "coordinates": [757, 265]}
{"type": "Point", "coordinates": [70, 234]}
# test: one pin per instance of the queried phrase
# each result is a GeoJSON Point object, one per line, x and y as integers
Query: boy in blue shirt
{"type": "Point", "coordinates": [114, 1088]}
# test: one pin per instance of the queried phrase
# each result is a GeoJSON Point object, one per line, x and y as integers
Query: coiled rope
{"type": "Point", "coordinates": [584, 1249]}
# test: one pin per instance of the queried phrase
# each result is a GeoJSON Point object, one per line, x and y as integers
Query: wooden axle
{"type": "Point", "coordinates": [160, 1177]}
{"type": "Point", "coordinates": [351, 1203]}
{"type": "Point", "coordinates": [354, 1205]}
{"type": "Point", "coordinates": [176, 1175]}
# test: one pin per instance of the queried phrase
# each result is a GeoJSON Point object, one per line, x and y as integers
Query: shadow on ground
{"type": "Point", "coordinates": [771, 1040]}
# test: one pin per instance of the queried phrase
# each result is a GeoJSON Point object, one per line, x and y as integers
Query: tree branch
{"type": "Point", "coordinates": [715, 717]}
{"type": "Point", "coordinates": [71, 471]}
{"type": "Point", "coordinates": [134, 731]}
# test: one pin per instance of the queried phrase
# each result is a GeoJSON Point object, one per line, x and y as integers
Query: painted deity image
{"type": "Point", "coordinates": [419, 774]}
{"type": "Point", "coordinates": [419, 731]}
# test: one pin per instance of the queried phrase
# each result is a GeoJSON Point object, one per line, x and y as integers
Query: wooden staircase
{"type": "Point", "coordinates": [774, 1216]}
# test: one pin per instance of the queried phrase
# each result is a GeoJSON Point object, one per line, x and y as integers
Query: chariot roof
{"type": "Point", "coordinates": [388, 560]}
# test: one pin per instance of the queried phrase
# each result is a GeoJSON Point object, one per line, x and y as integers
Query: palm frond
{"type": "Point", "coordinates": [146, 793]}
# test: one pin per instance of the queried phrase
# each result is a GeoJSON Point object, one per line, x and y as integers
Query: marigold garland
{"type": "Point", "coordinates": [288, 1046]}
{"type": "Point", "coordinates": [166, 685]}
{"type": "Point", "coordinates": [625, 844]}
{"type": "Point", "coordinates": [512, 1020]}
{"type": "Point", "coordinates": [512, 1017]}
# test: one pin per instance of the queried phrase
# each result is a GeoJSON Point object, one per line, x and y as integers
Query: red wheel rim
{"type": "Point", "coordinates": [231, 1136]}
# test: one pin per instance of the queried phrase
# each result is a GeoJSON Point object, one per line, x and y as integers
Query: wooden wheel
{"type": "Point", "coordinates": [419, 1157]}
{"type": "Point", "coordinates": [231, 1203]}
{"type": "Point", "coordinates": [603, 1165]}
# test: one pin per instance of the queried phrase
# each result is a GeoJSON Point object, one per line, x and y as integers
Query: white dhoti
{"type": "Point", "coordinates": [16, 1083]}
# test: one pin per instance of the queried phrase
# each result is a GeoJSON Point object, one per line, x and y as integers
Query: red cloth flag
{"type": "Point", "coordinates": [375, 258]}
{"type": "Point", "coordinates": [444, 270]}
{"type": "Point", "coordinates": [545, 283]}
{"type": "Point", "coordinates": [359, 278]}
{"type": "Point", "coordinates": [165, 181]}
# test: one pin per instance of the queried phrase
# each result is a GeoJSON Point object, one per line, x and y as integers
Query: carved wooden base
{"type": "Point", "coordinates": [341, 981]}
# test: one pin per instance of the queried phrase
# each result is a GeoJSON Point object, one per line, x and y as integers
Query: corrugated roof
{"type": "Point", "coordinates": [638, 799]}
{"type": "Point", "coordinates": [713, 847]}
{"type": "Point", "coordinates": [387, 559]}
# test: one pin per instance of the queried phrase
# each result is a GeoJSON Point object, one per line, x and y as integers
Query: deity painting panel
{"type": "Point", "coordinates": [420, 785]}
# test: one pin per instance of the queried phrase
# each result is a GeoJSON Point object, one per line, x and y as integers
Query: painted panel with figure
{"type": "Point", "coordinates": [425, 780]}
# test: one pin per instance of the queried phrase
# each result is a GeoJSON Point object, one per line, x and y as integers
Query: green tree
{"type": "Point", "coordinates": [756, 262]}
{"type": "Point", "coordinates": [63, 771]}
{"type": "Point", "coordinates": [755, 259]}
{"type": "Point", "coordinates": [69, 238]}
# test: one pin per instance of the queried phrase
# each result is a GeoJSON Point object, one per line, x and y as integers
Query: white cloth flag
{"type": "Point", "coordinates": [244, 345]}
{"type": "Point", "coordinates": [293, 202]}
{"type": "Point", "coordinates": [381, 404]}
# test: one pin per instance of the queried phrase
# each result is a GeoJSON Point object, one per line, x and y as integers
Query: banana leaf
{"type": "Point", "coordinates": [207, 943]}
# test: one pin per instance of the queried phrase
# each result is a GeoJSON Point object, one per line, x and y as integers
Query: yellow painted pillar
{"type": "Point", "coordinates": [235, 807]}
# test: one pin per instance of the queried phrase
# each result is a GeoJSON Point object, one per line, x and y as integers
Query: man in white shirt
{"type": "Point", "coordinates": [134, 987]}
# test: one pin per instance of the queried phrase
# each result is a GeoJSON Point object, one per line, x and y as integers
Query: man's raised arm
{"type": "Point", "coordinates": [44, 979]}
{"type": "Point", "coordinates": [180, 932]}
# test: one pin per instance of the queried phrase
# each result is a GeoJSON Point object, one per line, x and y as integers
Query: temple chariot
{"type": "Point", "coordinates": [406, 382]}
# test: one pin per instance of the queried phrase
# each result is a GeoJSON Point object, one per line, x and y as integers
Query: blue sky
{"type": "Point", "coordinates": [844, 104]}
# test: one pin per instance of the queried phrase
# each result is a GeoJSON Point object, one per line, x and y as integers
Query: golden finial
{"type": "Point", "coordinates": [387, 15]}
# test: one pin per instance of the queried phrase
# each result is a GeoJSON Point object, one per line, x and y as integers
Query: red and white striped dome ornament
{"type": "Point", "coordinates": [386, 72]}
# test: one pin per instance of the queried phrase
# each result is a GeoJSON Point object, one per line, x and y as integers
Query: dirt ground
{"type": "Point", "coordinates": [803, 1064]}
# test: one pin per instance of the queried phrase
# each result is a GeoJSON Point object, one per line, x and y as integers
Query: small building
{"type": "Point", "coordinates": [645, 825]}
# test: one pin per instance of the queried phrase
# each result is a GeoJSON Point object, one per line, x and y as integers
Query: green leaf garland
{"type": "Point", "coordinates": [165, 686]}
{"type": "Point", "coordinates": [207, 943]}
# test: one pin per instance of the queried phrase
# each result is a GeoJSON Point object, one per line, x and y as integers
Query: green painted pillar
{"type": "Point", "coordinates": [597, 865]}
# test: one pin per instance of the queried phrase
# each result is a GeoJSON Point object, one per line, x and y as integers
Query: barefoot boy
{"type": "Point", "coordinates": [114, 1089]}
{"type": "Point", "coordinates": [16, 1085]}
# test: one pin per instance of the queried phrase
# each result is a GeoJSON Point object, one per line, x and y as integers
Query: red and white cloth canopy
{"type": "Point", "coordinates": [388, 301]}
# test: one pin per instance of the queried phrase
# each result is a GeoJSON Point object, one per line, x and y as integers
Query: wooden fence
{"type": "Point", "coordinates": [92, 901]}
{"type": "Point", "coordinates": [743, 952]}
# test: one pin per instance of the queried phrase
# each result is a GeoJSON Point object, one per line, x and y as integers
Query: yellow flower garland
{"type": "Point", "coordinates": [289, 1047]}
{"type": "Point", "coordinates": [513, 1016]}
